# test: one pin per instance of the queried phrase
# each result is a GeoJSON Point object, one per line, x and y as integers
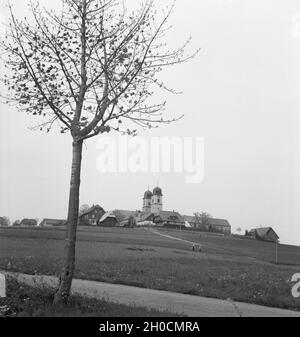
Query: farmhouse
{"type": "Point", "coordinates": [52, 223]}
{"type": "Point", "coordinates": [28, 223]}
{"type": "Point", "coordinates": [108, 220]}
{"type": "Point", "coordinates": [190, 220]}
{"type": "Point", "coordinates": [167, 219]}
{"type": "Point", "coordinates": [211, 225]}
{"type": "Point", "coordinates": [219, 226]}
{"type": "Point", "coordinates": [126, 218]}
{"type": "Point", "coordinates": [264, 234]}
{"type": "Point", "coordinates": [92, 216]}
{"type": "Point", "coordinates": [124, 215]}
{"type": "Point", "coordinates": [117, 217]}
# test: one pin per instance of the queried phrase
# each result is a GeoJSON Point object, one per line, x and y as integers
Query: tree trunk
{"type": "Point", "coordinates": [65, 280]}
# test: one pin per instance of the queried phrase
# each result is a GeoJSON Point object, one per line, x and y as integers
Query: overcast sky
{"type": "Point", "coordinates": [241, 93]}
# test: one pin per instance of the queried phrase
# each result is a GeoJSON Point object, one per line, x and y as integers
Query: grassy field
{"type": "Point", "coordinates": [241, 246]}
{"type": "Point", "coordinates": [232, 268]}
{"type": "Point", "coordinates": [24, 301]}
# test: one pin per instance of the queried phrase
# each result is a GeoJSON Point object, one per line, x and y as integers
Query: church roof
{"type": "Point", "coordinates": [157, 191]}
{"type": "Point", "coordinates": [148, 195]}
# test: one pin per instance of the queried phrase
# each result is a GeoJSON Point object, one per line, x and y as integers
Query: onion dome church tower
{"type": "Point", "coordinates": [156, 201]}
{"type": "Point", "coordinates": [147, 202]}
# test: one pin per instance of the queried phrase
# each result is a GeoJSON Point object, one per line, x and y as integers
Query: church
{"type": "Point", "coordinates": [152, 212]}
{"type": "Point", "coordinates": [153, 201]}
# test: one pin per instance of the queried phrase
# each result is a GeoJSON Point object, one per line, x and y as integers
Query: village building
{"type": "Point", "coordinates": [29, 223]}
{"type": "Point", "coordinates": [167, 219]}
{"type": "Point", "coordinates": [92, 216]}
{"type": "Point", "coordinates": [52, 223]}
{"type": "Point", "coordinates": [108, 220]}
{"type": "Point", "coordinates": [264, 234]}
{"type": "Point", "coordinates": [126, 218]}
{"type": "Point", "coordinates": [152, 213]}
{"type": "Point", "coordinates": [191, 221]}
{"type": "Point", "coordinates": [219, 226]}
{"type": "Point", "coordinates": [211, 225]}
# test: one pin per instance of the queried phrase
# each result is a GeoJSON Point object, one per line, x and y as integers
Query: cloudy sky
{"type": "Point", "coordinates": [241, 93]}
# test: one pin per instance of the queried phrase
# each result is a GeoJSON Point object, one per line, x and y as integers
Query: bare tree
{"type": "Point", "coordinates": [16, 223]}
{"type": "Point", "coordinates": [83, 209]}
{"type": "Point", "coordinates": [4, 221]}
{"type": "Point", "coordinates": [202, 218]}
{"type": "Point", "coordinates": [90, 69]}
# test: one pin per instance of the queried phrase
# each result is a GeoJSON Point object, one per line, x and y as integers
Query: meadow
{"type": "Point", "coordinates": [241, 246]}
{"type": "Point", "coordinates": [228, 267]}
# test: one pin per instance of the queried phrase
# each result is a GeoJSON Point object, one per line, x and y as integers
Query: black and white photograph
{"type": "Point", "coordinates": [150, 162]}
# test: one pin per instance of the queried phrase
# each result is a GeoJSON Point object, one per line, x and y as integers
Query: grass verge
{"type": "Point", "coordinates": [25, 301]}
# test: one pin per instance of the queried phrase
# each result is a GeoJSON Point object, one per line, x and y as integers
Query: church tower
{"type": "Point", "coordinates": [156, 202]}
{"type": "Point", "coordinates": [147, 201]}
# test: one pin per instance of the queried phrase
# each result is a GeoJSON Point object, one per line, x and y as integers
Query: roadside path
{"type": "Point", "coordinates": [171, 237]}
{"type": "Point", "coordinates": [189, 305]}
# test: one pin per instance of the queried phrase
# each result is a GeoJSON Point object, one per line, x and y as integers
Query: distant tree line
{"type": "Point", "coordinates": [4, 221]}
